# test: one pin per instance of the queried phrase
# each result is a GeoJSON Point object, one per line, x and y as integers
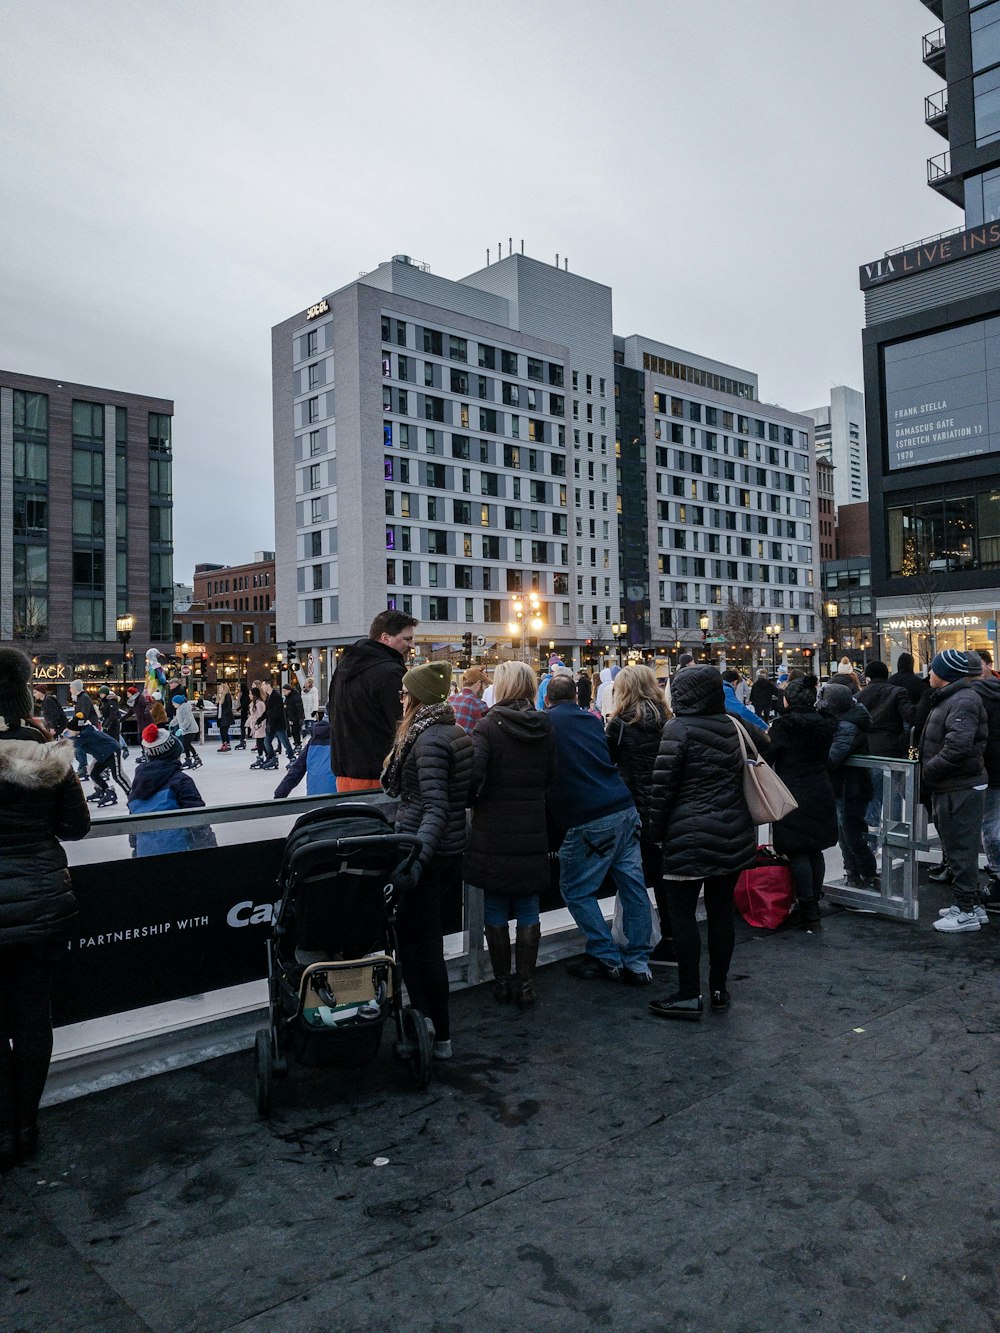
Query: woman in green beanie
{"type": "Point", "coordinates": [430, 770]}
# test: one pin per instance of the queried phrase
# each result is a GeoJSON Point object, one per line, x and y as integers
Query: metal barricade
{"type": "Point", "coordinates": [900, 833]}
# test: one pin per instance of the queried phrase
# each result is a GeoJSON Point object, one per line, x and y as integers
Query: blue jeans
{"type": "Point", "coordinates": [282, 738]}
{"type": "Point", "coordinates": [498, 908]}
{"type": "Point", "coordinates": [589, 853]}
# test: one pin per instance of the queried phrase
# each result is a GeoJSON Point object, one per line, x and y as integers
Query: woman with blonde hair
{"type": "Point", "coordinates": [429, 769]}
{"type": "Point", "coordinates": [508, 851]}
{"type": "Point", "coordinates": [637, 716]}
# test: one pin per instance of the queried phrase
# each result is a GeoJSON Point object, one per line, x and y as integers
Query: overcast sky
{"type": "Point", "coordinates": [179, 176]}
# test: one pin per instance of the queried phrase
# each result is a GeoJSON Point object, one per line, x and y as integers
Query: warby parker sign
{"type": "Point", "coordinates": [930, 255]}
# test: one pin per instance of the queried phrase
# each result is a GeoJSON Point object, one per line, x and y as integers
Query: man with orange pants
{"type": "Point", "coordinates": [365, 707]}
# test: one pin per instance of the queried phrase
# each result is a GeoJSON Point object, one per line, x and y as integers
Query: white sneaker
{"type": "Point", "coordinates": [961, 921]}
{"type": "Point", "coordinates": [979, 912]}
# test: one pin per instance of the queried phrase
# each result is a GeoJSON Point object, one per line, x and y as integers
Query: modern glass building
{"type": "Point", "coordinates": [932, 369]}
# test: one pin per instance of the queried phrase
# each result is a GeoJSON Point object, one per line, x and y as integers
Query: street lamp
{"type": "Point", "coordinates": [525, 610]}
{"type": "Point", "coordinates": [619, 632]}
{"type": "Point", "coordinates": [832, 611]}
{"type": "Point", "coordinates": [773, 634]}
{"type": "Point", "coordinates": [703, 625]}
{"type": "Point", "coordinates": [124, 625]}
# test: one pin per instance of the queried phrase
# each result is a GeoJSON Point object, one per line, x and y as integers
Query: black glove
{"type": "Point", "coordinates": [406, 877]}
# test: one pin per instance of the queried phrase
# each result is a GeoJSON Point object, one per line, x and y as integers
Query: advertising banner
{"type": "Point", "coordinates": [942, 395]}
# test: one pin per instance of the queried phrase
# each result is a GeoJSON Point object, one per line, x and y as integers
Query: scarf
{"type": "Point", "coordinates": [428, 716]}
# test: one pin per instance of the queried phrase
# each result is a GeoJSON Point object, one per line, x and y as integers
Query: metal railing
{"type": "Point", "coordinates": [936, 105]}
{"type": "Point", "coordinates": [924, 240]}
{"type": "Point", "coordinates": [934, 45]}
{"type": "Point", "coordinates": [939, 167]}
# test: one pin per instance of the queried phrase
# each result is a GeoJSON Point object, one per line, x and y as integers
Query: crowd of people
{"type": "Point", "coordinates": [632, 787]}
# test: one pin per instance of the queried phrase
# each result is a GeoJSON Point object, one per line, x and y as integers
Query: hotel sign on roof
{"type": "Point", "coordinates": [931, 254]}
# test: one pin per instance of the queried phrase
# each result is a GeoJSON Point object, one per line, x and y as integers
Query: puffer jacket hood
{"type": "Point", "coordinates": [697, 691]}
{"type": "Point", "coordinates": [29, 765]}
{"type": "Point", "coordinates": [989, 692]}
{"type": "Point", "coordinates": [521, 721]}
{"type": "Point", "coordinates": [366, 655]}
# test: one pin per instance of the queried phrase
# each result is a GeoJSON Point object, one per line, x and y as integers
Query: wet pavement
{"type": "Point", "coordinates": [821, 1157]}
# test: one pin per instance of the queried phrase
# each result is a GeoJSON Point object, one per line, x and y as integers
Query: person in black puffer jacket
{"type": "Point", "coordinates": [852, 787]}
{"type": "Point", "coordinates": [987, 687]}
{"type": "Point", "coordinates": [41, 802]}
{"type": "Point", "coordinates": [701, 818]}
{"type": "Point", "coordinates": [799, 754]}
{"type": "Point", "coordinates": [891, 712]}
{"type": "Point", "coordinates": [430, 770]}
{"type": "Point", "coordinates": [634, 726]}
{"type": "Point", "coordinates": [508, 851]}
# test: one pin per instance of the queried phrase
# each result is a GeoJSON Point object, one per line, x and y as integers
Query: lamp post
{"type": "Point", "coordinates": [773, 634]}
{"type": "Point", "coordinates": [619, 632]}
{"type": "Point", "coordinates": [124, 625]}
{"type": "Point", "coordinates": [832, 611]}
{"type": "Point", "coordinates": [525, 610]}
{"type": "Point", "coordinates": [703, 625]}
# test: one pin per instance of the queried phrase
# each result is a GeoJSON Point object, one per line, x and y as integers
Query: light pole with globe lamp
{"type": "Point", "coordinates": [619, 632]}
{"type": "Point", "coordinates": [124, 625]}
{"type": "Point", "coordinates": [773, 634]}
{"type": "Point", "coordinates": [525, 610]}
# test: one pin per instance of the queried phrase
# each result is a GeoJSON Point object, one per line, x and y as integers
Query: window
{"type": "Point", "coordinates": [88, 569]}
{"type": "Point", "coordinates": [512, 519]}
{"type": "Point", "coordinates": [433, 342]}
{"type": "Point", "coordinates": [315, 543]}
{"type": "Point", "coordinates": [457, 348]}
{"type": "Point", "coordinates": [437, 541]}
{"type": "Point", "coordinates": [316, 610]}
{"type": "Point", "coordinates": [534, 369]}
{"type": "Point", "coordinates": [314, 477]}
{"type": "Point", "coordinates": [312, 339]}
{"type": "Point", "coordinates": [491, 548]}
{"type": "Point", "coordinates": [460, 446]}
{"type": "Point", "coordinates": [459, 381]}
{"type": "Point", "coordinates": [437, 475]}
{"type": "Point", "coordinates": [437, 608]}
{"type": "Point", "coordinates": [508, 363]}
{"type": "Point", "coordinates": [489, 483]}
{"type": "Point", "coordinates": [88, 519]}
{"type": "Point", "coordinates": [488, 419]}
{"type": "Point", "coordinates": [316, 447]}
{"type": "Point", "coordinates": [487, 356]}
{"type": "Point", "coordinates": [313, 409]}
{"type": "Point", "coordinates": [433, 408]}
{"type": "Point", "coordinates": [316, 510]}
{"type": "Point", "coordinates": [315, 375]}
{"type": "Point", "coordinates": [88, 617]}
{"type": "Point", "coordinates": [88, 468]}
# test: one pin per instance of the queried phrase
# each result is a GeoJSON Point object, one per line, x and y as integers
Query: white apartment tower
{"type": "Point", "coordinates": [440, 447]}
{"type": "Point", "coordinates": [840, 437]}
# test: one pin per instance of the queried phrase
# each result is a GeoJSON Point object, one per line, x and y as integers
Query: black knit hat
{"type": "Point", "coordinates": [15, 694]}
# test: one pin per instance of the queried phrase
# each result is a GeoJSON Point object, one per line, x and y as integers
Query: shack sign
{"type": "Point", "coordinates": [49, 671]}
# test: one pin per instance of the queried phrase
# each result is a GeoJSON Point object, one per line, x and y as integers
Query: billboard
{"type": "Point", "coordinates": [942, 395]}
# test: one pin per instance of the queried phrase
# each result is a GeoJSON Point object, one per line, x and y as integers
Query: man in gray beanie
{"type": "Point", "coordinates": [952, 750]}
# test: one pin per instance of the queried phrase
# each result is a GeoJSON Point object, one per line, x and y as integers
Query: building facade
{"type": "Point", "coordinates": [932, 370]}
{"type": "Point", "coordinates": [840, 438]}
{"type": "Point", "coordinates": [445, 448]}
{"type": "Point", "coordinates": [86, 525]}
{"type": "Point", "coordinates": [226, 634]}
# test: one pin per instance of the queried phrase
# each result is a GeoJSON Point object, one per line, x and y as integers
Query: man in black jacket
{"type": "Point", "coordinates": [952, 747]}
{"type": "Point", "coordinates": [765, 698]}
{"type": "Point", "coordinates": [365, 707]}
{"type": "Point", "coordinates": [294, 714]}
{"type": "Point", "coordinates": [891, 713]}
{"type": "Point", "coordinates": [275, 728]}
{"type": "Point", "coordinates": [907, 679]}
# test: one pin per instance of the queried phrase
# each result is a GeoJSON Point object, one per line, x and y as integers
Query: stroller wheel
{"type": "Point", "coordinates": [415, 1047]}
{"type": "Point", "coordinates": [264, 1062]}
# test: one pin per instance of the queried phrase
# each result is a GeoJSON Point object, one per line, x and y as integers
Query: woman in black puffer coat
{"type": "Point", "coordinates": [634, 726]}
{"type": "Point", "coordinates": [430, 770]}
{"type": "Point", "coordinates": [852, 787]}
{"type": "Point", "coordinates": [701, 819]}
{"type": "Point", "coordinates": [508, 851]}
{"type": "Point", "coordinates": [41, 801]}
{"type": "Point", "coordinates": [799, 754]}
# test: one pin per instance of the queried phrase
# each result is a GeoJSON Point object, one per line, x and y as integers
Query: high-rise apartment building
{"type": "Point", "coordinates": [86, 511]}
{"type": "Point", "coordinates": [443, 447]}
{"type": "Point", "coordinates": [840, 438]}
{"type": "Point", "coordinates": [932, 368]}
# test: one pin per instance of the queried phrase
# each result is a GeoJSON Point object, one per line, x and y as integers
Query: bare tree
{"type": "Point", "coordinates": [31, 621]}
{"type": "Point", "coordinates": [926, 593]}
{"type": "Point", "coordinates": [743, 624]}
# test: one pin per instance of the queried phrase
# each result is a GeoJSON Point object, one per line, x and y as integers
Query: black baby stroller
{"type": "Point", "coordinates": [333, 980]}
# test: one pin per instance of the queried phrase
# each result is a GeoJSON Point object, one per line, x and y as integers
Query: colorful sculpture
{"type": "Point", "coordinates": [156, 677]}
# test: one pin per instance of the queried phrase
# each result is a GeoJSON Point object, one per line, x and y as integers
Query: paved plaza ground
{"type": "Point", "coordinates": [822, 1157]}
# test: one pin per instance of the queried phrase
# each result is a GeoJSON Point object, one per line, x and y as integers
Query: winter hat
{"type": "Point", "coordinates": [835, 699]}
{"type": "Point", "coordinates": [178, 699]}
{"type": "Point", "coordinates": [157, 695]}
{"type": "Point", "coordinates": [76, 687]}
{"type": "Point", "coordinates": [951, 664]}
{"type": "Point", "coordinates": [158, 743]}
{"type": "Point", "coordinates": [429, 683]}
{"type": "Point", "coordinates": [77, 722]}
{"type": "Point", "coordinates": [845, 665]}
{"type": "Point", "coordinates": [132, 689]}
{"type": "Point", "coordinates": [801, 692]}
{"type": "Point", "coordinates": [105, 689]}
{"type": "Point", "coordinates": [877, 671]}
{"type": "Point", "coordinates": [15, 697]}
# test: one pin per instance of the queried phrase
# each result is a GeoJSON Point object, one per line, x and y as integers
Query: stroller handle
{"type": "Point", "coordinates": [407, 845]}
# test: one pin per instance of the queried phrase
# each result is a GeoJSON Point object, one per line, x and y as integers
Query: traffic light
{"type": "Point", "coordinates": [467, 647]}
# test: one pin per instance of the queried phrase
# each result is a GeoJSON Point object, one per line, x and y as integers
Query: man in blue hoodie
{"type": "Point", "coordinates": [591, 803]}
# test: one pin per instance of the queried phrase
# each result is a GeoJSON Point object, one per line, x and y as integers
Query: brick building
{"type": "Point", "coordinates": [228, 631]}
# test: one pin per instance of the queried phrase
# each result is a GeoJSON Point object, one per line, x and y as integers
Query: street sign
{"type": "Point", "coordinates": [480, 640]}
{"type": "Point", "coordinates": [185, 671]}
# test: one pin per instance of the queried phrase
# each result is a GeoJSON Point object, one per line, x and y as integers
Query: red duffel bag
{"type": "Point", "coordinates": [764, 895]}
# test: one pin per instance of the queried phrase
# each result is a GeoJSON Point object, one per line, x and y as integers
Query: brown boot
{"type": "Point", "coordinates": [526, 947]}
{"type": "Point", "coordinates": [498, 943]}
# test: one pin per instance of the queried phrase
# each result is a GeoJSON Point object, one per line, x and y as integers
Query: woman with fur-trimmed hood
{"type": "Point", "coordinates": [41, 802]}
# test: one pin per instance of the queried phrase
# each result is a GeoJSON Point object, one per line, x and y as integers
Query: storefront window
{"type": "Point", "coordinates": [932, 536]}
